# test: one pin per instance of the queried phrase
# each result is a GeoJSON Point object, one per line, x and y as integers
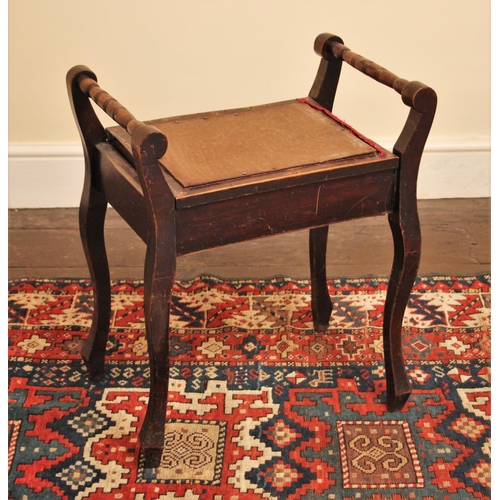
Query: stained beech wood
{"type": "Point", "coordinates": [231, 176]}
{"type": "Point", "coordinates": [92, 212]}
{"type": "Point", "coordinates": [327, 45]}
{"type": "Point", "coordinates": [321, 304]}
{"type": "Point", "coordinates": [159, 274]}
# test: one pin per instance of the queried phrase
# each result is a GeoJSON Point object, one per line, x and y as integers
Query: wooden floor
{"type": "Point", "coordinates": [44, 243]}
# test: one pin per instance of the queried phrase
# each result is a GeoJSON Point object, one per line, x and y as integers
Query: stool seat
{"type": "Point", "coordinates": [190, 183]}
{"type": "Point", "coordinates": [291, 141]}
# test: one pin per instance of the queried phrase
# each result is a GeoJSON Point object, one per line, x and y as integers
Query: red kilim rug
{"type": "Point", "coordinates": [260, 407]}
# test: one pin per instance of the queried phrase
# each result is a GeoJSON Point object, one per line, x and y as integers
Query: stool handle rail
{"type": "Point", "coordinates": [119, 113]}
{"type": "Point", "coordinates": [326, 44]}
{"type": "Point", "coordinates": [147, 141]}
{"type": "Point", "coordinates": [414, 94]}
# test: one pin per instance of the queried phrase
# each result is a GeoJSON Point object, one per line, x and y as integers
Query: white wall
{"type": "Point", "coordinates": [168, 57]}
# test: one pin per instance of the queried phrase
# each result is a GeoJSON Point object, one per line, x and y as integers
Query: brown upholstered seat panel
{"type": "Point", "coordinates": [224, 145]}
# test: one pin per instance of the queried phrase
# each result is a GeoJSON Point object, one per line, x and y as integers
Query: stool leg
{"type": "Point", "coordinates": [92, 214]}
{"type": "Point", "coordinates": [158, 283]}
{"type": "Point", "coordinates": [406, 238]}
{"type": "Point", "coordinates": [148, 144]}
{"type": "Point", "coordinates": [321, 303]}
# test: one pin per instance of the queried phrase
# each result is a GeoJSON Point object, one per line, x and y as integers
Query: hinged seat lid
{"type": "Point", "coordinates": [220, 146]}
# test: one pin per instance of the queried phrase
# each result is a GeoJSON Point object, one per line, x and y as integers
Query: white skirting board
{"type": "Point", "coordinates": [51, 175]}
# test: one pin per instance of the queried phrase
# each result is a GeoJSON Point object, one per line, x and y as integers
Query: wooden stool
{"type": "Point", "coordinates": [232, 176]}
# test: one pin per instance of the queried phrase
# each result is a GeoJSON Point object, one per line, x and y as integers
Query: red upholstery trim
{"type": "Point", "coordinates": [314, 105]}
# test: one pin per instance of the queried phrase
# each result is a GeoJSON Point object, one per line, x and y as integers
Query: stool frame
{"type": "Point", "coordinates": [170, 225]}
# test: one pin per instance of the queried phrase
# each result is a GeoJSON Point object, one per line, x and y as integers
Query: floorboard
{"type": "Point", "coordinates": [456, 233]}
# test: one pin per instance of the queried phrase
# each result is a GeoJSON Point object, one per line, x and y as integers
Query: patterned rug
{"type": "Point", "coordinates": [260, 407]}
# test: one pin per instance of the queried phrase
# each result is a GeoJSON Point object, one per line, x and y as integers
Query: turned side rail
{"type": "Point", "coordinates": [414, 94]}
{"type": "Point", "coordinates": [147, 141]}
{"type": "Point", "coordinates": [119, 113]}
{"type": "Point", "coordinates": [421, 99]}
{"type": "Point", "coordinates": [86, 81]}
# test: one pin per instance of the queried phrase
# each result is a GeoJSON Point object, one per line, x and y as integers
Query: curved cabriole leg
{"type": "Point", "coordinates": [92, 214]}
{"type": "Point", "coordinates": [405, 229]}
{"type": "Point", "coordinates": [157, 297]}
{"type": "Point", "coordinates": [321, 303]}
{"type": "Point", "coordinates": [322, 92]}
{"type": "Point", "coordinates": [148, 144]}
{"type": "Point", "coordinates": [406, 238]}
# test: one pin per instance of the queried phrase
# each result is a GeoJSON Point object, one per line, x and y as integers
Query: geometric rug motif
{"type": "Point", "coordinates": [378, 454]}
{"type": "Point", "coordinates": [259, 406]}
{"type": "Point", "coordinates": [193, 452]}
